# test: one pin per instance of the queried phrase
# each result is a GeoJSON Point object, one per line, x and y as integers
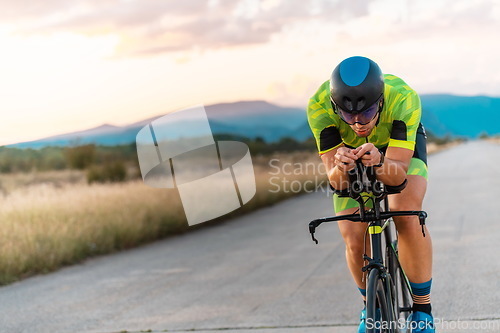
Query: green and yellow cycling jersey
{"type": "Point", "coordinates": [397, 126]}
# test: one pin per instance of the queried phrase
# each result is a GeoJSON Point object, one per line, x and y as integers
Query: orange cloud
{"type": "Point", "coordinates": [153, 26]}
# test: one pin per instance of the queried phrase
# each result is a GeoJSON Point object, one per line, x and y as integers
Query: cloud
{"type": "Point", "coordinates": [156, 26]}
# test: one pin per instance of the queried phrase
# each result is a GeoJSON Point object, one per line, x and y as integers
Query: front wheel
{"type": "Point", "coordinates": [379, 311]}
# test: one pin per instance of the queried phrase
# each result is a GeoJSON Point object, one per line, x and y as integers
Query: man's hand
{"type": "Point", "coordinates": [345, 159]}
{"type": "Point", "coordinates": [368, 153]}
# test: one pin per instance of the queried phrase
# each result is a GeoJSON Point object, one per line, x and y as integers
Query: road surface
{"type": "Point", "coordinates": [261, 273]}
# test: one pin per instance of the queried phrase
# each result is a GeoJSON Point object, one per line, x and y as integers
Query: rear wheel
{"type": "Point", "coordinates": [401, 295]}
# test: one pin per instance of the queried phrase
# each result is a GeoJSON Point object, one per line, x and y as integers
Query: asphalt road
{"type": "Point", "coordinates": [261, 273]}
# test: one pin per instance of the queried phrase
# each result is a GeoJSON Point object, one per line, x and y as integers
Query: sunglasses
{"type": "Point", "coordinates": [363, 117]}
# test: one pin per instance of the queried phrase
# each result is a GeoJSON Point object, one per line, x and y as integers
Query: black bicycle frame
{"type": "Point", "coordinates": [363, 180]}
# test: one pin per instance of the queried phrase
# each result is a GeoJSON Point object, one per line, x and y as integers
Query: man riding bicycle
{"type": "Point", "coordinates": [361, 114]}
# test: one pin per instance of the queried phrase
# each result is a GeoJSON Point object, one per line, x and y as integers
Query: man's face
{"type": "Point", "coordinates": [358, 121]}
{"type": "Point", "coordinates": [364, 130]}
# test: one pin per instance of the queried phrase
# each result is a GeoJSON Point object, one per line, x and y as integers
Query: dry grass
{"type": "Point", "coordinates": [434, 148]}
{"type": "Point", "coordinates": [44, 227]}
{"type": "Point", "coordinates": [12, 181]}
{"type": "Point", "coordinates": [495, 139]}
{"type": "Point", "coordinates": [53, 219]}
{"type": "Point", "coordinates": [284, 175]}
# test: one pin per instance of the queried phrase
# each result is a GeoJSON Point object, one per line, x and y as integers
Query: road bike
{"type": "Point", "coordinates": [388, 291]}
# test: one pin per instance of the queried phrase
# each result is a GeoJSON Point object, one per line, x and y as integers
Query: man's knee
{"type": "Point", "coordinates": [354, 242]}
{"type": "Point", "coordinates": [408, 203]}
{"type": "Point", "coordinates": [355, 249]}
{"type": "Point", "coordinates": [408, 225]}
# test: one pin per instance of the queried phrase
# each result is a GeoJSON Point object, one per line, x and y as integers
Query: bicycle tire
{"type": "Point", "coordinates": [379, 300]}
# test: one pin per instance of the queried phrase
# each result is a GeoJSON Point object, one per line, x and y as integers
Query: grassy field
{"type": "Point", "coordinates": [495, 140]}
{"type": "Point", "coordinates": [53, 219]}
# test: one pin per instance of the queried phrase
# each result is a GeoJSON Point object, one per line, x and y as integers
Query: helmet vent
{"type": "Point", "coordinates": [361, 103]}
{"type": "Point", "coordinates": [348, 104]}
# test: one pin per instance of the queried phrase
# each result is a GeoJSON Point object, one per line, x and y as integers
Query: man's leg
{"type": "Point", "coordinates": [415, 250]}
{"type": "Point", "coordinates": [353, 234]}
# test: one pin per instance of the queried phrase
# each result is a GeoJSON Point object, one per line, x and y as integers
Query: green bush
{"type": "Point", "coordinates": [80, 157]}
{"type": "Point", "coordinates": [484, 135]}
{"type": "Point", "coordinates": [109, 172]}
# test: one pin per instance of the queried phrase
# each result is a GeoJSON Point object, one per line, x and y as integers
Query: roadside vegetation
{"type": "Point", "coordinates": [60, 206]}
{"type": "Point", "coordinates": [491, 138]}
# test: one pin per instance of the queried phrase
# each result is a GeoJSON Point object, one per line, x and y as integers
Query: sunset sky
{"type": "Point", "coordinates": [71, 65]}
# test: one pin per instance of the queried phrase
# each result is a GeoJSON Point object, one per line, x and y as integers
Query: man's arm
{"type": "Point", "coordinates": [396, 162]}
{"type": "Point", "coordinates": [338, 162]}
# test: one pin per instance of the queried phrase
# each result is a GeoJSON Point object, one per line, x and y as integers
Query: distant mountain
{"type": "Point", "coordinates": [442, 115]}
{"type": "Point", "coordinates": [103, 135]}
{"type": "Point", "coordinates": [255, 119]}
{"type": "Point", "coordinates": [460, 115]}
{"type": "Point", "coordinates": [249, 119]}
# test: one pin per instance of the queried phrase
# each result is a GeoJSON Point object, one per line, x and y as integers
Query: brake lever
{"type": "Point", "coordinates": [314, 239]}
{"type": "Point", "coordinates": [312, 229]}
{"type": "Point", "coordinates": [421, 217]}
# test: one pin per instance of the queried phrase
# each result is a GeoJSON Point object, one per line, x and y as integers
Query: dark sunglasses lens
{"type": "Point", "coordinates": [362, 118]}
{"type": "Point", "coordinates": [366, 116]}
{"type": "Point", "coordinates": [349, 118]}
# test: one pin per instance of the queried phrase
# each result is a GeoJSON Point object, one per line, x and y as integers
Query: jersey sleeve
{"type": "Point", "coordinates": [404, 127]}
{"type": "Point", "coordinates": [323, 127]}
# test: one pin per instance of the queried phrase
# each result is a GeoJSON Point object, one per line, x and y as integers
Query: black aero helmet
{"type": "Point", "coordinates": [356, 84]}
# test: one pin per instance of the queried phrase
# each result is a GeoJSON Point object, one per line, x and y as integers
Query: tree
{"type": "Point", "coordinates": [80, 157]}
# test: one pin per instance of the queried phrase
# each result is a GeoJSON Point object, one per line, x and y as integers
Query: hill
{"type": "Point", "coordinates": [442, 115]}
{"type": "Point", "coordinates": [250, 119]}
{"type": "Point", "coordinates": [466, 116]}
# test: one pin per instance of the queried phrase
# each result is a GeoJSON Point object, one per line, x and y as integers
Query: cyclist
{"type": "Point", "coordinates": [361, 113]}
